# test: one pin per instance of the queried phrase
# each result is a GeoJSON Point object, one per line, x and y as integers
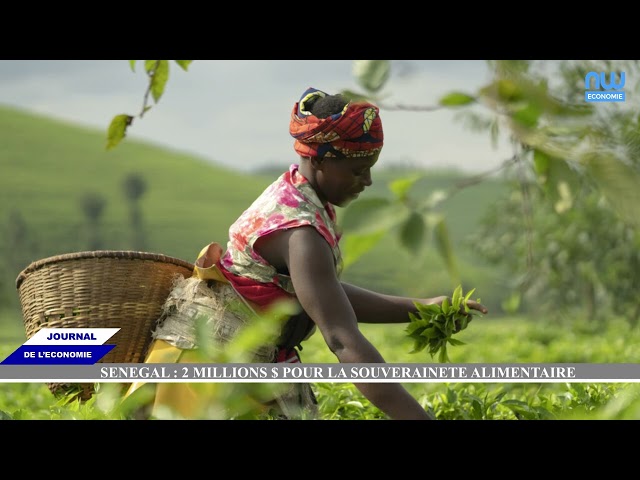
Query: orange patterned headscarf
{"type": "Point", "coordinates": [354, 132]}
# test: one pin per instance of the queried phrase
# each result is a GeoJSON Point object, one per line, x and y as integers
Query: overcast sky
{"type": "Point", "coordinates": [236, 112]}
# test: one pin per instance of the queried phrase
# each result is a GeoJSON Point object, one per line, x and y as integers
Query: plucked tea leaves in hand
{"type": "Point", "coordinates": [435, 324]}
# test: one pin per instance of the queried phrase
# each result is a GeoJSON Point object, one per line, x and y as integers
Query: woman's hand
{"type": "Point", "coordinates": [473, 305]}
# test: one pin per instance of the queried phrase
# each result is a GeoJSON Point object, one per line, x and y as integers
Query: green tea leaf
{"type": "Point", "coordinates": [434, 325]}
{"type": "Point", "coordinates": [618, 182]}
{"type": "Point", "coordinates": [150, 65]}
{"type": "Point", "coordinates": [456, 99]}
{"type": "Point", "coordinates": [429, 333]}
{"type": "Point", "coordinates": [445, 306]}
{"type": "Point", "coordinates": [159, 79]}
{"type": "Point", "coordinates": [443, 357]}
{"type": "Point", "coordinates": [354, 96]}
{"type": "Point", "coordinates": [357, 245]}
{"type": "Point", "coordinates": [511, 303]}
{"type": "Point", "coordinates": [428, 309]}
{"type": "Point", "coordinates": [528, 115]}
{"type": "Point", "coordinates": [418, 346]}
{"type": "Point", "coordinates": [412, 233]}
{"type": "Point", "coordinates": [184, 64]}
{"type": "Point", "coordinates": [401, 186]}
{"type": "Point", "coordinates": [457, 297]}
{"type": "Point", "coordinates": [468, 295]}
{"type": "Point", "coordinates": [415, 325]}
{"type": "Point", "coordinates": [371, 74]}
{"type": "Point", "coordinates": [117, 130]}
{"type": "Point", "coordinates": [445, 248]}
{"type": "Point", "coordinates": [371, 215]}
{"type": "Point", "coordinates": [440, 328]}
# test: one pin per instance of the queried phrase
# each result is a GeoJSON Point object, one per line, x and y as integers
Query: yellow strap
{"type": "Point", "coordinates": [159, 352]}
{"type": "Point", "coordinates": [180, 398]}
{"type": "Point", "coordinates": [205, 266]}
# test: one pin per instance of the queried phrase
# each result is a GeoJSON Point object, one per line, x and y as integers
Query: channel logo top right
{"type": "Point", "coordinates": [603, 90]}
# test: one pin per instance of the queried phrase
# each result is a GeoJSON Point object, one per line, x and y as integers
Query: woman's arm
{"type": "Point", "coordinates": [373, 307]}
{"type": "Point", "coordinates": [311, 266]}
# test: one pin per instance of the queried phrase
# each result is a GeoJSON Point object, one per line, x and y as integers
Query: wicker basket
{"type": "Point", "coordinates": [100, 289]}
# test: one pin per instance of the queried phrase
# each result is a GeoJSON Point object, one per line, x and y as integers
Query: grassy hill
{"type": "Point", "coordinates": [47, 167]}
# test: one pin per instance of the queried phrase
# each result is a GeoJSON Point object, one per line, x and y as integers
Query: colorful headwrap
{"type": "Point", "coordinates": [354, 132]}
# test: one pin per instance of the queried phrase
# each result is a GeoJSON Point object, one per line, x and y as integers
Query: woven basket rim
{"type": "Point", "coordinates": [116, 254]}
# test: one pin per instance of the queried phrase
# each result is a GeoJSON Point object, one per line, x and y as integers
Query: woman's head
{"type": "Point", "coordinates": [339, 180]}
{"type": "Point", "coordinates": [339, 142]}
{"type": "Point", "coordinates": [331, 126]}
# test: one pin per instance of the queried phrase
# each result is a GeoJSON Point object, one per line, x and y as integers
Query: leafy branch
{"type": "Point", "coordinates": [435, 324]}
{"type": "Point", "coordinates": [560, 145]}
{"type": "Point", "coordinates": [158, 73]}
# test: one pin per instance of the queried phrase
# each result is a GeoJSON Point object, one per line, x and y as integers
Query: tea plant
{"type": "Point", "coordinates": [435, 324]}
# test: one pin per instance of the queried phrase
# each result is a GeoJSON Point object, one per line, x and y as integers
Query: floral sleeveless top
{"type": "Point", "coordinates": [288, 202]}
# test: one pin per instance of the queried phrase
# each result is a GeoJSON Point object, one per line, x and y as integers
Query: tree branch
{"type": "Point", "coordinates": [146, 94]}
{"type": "Point", "coordinates": [411, 108]}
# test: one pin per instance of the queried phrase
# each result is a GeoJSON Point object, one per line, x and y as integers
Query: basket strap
{"type": "Point", "coordinates": [159, 352]}
{"type": "Point", "coordinates": [206, 268]}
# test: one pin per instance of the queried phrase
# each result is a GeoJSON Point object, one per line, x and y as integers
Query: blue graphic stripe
{"type": "Point", "coordinates": [58, 354]}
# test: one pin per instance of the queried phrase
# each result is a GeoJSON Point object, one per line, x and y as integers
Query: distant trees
{"type": "Point", "coordinates": [134, 187]}
{"type": "Point", "coordinates": [20, 243]}
{"type": "Point", "coordinates": [93, 205]}
{"type": "Point", "coordinates": [20, 249]}
{"type": "Point", "coordinates": [584, 260]}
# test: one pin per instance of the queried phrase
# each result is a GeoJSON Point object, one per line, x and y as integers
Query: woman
{"type": "Point", "coordinates": [286, 246]}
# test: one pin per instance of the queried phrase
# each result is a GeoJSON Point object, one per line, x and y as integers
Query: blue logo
{"type": "Point", "coordinates": [63, 346]}
{"type": "Point", "coordinates": [603, 90]}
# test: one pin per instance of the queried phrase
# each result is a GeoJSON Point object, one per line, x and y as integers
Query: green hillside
{"type": "Point", "coordinates": [47, 167]}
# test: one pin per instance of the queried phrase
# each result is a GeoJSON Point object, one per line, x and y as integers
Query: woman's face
{"type": "Point", "coordinates": [339, 181]}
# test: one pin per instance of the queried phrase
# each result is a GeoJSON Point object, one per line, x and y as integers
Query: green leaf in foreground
{"type": "Point", "coordinates": [159, 79]}
{"type": "Point", "coordinates": [184, 64]}
{"type": "Point", "coordinates": [456, 99]}
{"type": "Point", "coordinates": [433, 325]}
{"type": "Point", "coordinates": [371, 74]}
{"type": "Point", "coordinates": [117, 129]}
